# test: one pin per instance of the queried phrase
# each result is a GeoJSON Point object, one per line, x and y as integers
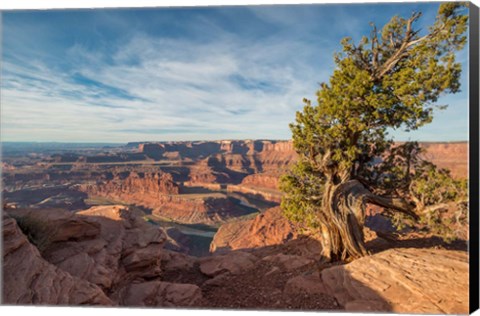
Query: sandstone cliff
{"type": "Point", "coordinates": [452, 156]}
{"type": "Point", "coordinates": [262, 180]}
{"type": "Point", "coordinates": [141, 185]}
{"type": "Point", "coordinates": [254, 156]}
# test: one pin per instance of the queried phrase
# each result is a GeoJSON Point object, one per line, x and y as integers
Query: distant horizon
{"type": "Point", "coordinates": [184, 73]}
{"type": "Point", "coordinates": [197, 140]}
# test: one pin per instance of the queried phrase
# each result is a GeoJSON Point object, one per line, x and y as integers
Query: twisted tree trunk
{"type": "Point", "coordinates": [345, 203]}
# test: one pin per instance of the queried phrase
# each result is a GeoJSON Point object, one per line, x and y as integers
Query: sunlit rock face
{"type": "Point", "coordinates": [402, 281]}
{"type": "Point", "coordinates": [269, 228]}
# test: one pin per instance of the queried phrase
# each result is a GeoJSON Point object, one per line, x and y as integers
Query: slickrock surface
{"type": "Point", "coordinates": [403, 281]}
{"type": "Point", "coordinates": [29, 279]}
{"type": "Point", "coordinates": [269, 228]}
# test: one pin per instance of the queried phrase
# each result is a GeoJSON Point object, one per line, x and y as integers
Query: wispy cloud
{"type": "Point", "coordinates": [172, 83]}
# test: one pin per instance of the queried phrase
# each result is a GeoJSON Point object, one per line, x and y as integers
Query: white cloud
{"type": "Point", "coordinates": [241, 90]}
{"type": "Point", "coordinates": [165, 89]}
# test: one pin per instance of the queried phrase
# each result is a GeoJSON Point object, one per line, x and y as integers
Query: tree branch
{"type": "Point", "coordinates": [374, 47]}
{"type": "Point", "coordinates": [401, 52]}
{"type": "Point", "coordinates": [397, 204]}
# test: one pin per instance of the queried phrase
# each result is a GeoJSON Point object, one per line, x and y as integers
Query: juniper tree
{"type": "Point", "coordinates": [391, 79]}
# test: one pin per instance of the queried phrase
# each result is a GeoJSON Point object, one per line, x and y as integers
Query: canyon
{"type": "Point", "coordinates": [198, 224]}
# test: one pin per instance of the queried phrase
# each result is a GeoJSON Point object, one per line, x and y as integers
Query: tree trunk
{"type": "Point", "coordinates": [342, 235]}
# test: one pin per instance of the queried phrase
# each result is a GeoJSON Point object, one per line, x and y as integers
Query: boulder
{"type": "Point", "coordinates": [174, 261]}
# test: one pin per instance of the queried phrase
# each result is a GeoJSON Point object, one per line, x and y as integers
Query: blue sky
{"type": "Point", "coordinates": [118, 75]}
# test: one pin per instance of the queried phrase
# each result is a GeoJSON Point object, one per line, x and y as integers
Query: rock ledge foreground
{"type": "Point", "coordinates": [109, 256]}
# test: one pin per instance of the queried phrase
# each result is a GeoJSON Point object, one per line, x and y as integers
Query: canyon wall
{"type": "Point", "coordinates": [258, 156]}
{"type": "Point", "coordinates": [242, 155]}
{"type": "Point", "coordinates": [161, 195]}
{"type": "Point", "coordinates": [136, 185]}
{"type": "Point", "coordinates": [452, 156]}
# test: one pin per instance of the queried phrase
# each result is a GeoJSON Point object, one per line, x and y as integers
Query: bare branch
{"type": "Point", "coordinates": [401, 52]}
{"type": "Point", "coordinates": [392, 42]}
{"type": "Point", "coordinates": [374, 47]}
{"type": "Point", "coordinates": [421, 39]}
{"type": "Point", "coordinates": [397, 204]}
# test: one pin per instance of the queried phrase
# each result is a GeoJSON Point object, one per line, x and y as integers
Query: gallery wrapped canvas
{"type": "Point", "coordinates": [306, 157]}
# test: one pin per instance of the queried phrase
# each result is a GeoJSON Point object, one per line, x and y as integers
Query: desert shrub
{"type": "Point", "coordinates": [441, 202]}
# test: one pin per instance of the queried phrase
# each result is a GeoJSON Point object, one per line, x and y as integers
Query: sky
{"type": "Point", "coordinates": [170, 74]}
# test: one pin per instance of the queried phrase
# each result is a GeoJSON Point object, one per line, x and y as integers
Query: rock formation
{"type": "Point", "coordinates": [256, 156]}
{"type": "Point", "coordinates": [103, 250]}
{"type": "Point", "coordinates": [154, 151]}
{"type": "Point", "coordinates": [269, 228]}
{"type": "Point", "coordinates": [140, 185]}
{"type": "Point", "coordinates": [262, 180]}
{"type": "Point", "coordinates": [30, 279]}
{"type": "Point", "coordinates": [160, 194]}
{"type": "Point", "coordinates": [109, 255]}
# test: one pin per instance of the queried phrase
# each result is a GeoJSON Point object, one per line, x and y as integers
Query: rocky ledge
{"type": "Point", "coordinates": [109, 256]}
{"type": "Point", "coordinates": [98, 256]}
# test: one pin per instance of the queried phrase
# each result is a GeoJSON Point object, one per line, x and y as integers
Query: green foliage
{"type": "Point", "coordinates": [391, 79]}
{"type": "Point", "coordinates": [436, 194]}
{"type": "Point", "coordinates": [431, 186]}
{"type": "Point", "coordinates": [300, 183]}
{"type": "Point", "coordinates": [440, 200]}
